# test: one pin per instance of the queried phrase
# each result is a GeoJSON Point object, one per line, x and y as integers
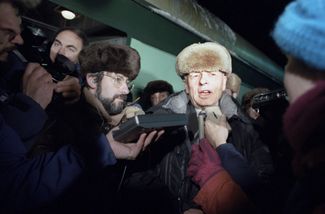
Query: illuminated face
{"type": "Point", "coordinates": [158, 97]}
{"type": "Point", "coordinates": [295, 84]}
{"type": "Point", "coordinates": [112, 92]}
{"type": "Point", "coordinates": [205, 88]}
{"type": "Point", "coordinates": [289, 86]}
{"type": "Point", "coordinates": [9, 30]}
{"type": "Point", "coordinates": [68, 44]}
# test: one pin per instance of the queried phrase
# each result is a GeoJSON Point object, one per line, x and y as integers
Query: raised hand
{"type": "Point", "coordinates": [130, 151]}
{"type": "Point", "coordinates": [204, 162]}
{"type": "Point", "coordinates": [70, 89]}
{"type": "Point", "coordinates": [38, 84]}
{"type": "Point", "coordinates": [217, 131]}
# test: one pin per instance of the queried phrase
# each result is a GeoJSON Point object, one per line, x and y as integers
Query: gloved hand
{"type": "Point", "coordinates": [205, 162]}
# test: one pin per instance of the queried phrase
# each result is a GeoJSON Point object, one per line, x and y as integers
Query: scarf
{"type": "Point", "coordinates": [303, 122]}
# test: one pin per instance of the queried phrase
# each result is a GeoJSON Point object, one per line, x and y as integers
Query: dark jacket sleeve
{"type": "Point", "coordinates": [233, 189]}
{"type": "Point", "coordinates": [222, 195]}
{"type": "Point", "coordinates": [237, 166]}
{"type": "Point", "coordinates": [24, 115]}
{"type": "Point", "coordinates": [246, 141]}
{"type": "Point", "coordinates": [29, 183]}
{"type": "Point", "coordinates": [258, 186]}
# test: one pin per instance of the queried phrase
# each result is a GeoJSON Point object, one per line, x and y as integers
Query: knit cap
{"type": "Point", "coordinates": [300, 32]}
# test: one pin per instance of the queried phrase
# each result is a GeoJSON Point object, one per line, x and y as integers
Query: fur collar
{"type": "Point", "coordinates": [178, 103]}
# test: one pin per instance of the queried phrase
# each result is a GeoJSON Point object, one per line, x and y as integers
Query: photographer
{"type": "Point", "coordinates": [247, 102]}
{"type": "Point", "coordinates": [63, 65]}
{"type": "Point", "coordinates": [266, 108]}
{"type": "Point", "coordinates": [46, 183]}
{"type": "Point", "coordinates": [62, 70]}
{"type": "Point", "coordinates": [59, 58]}
{"type": "Point", "coordinates": [26, 184]}
{"type": "Point", "coordinates": [19, 104]}
{"type": "Point", "coordinates": [68, 42]}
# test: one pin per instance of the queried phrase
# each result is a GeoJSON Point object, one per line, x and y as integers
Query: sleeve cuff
{"type": "Point", "coordinates": [106, 154]}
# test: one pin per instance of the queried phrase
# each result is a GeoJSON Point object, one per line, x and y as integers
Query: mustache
{"type": "Point", "coordinates": [8, 49]}
{"type": "Point", "coordinates": [120, 96]}
{"type": "Point", "coordinates": [11, 48]}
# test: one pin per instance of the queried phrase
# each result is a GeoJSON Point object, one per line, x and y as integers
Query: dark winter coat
{"type": "Point", "coordinates": [29, 183]}
{"type": "Point", "coordinates": [304, 128]}
{"type": "Point", "coordinates": [175, 148]}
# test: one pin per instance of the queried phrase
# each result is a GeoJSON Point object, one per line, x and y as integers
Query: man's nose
{"type": "Point", "coordinates": [62, 51]}
{"type": "Point", "coordinates": [125, 88]}
{"type": "Point", "coordinates": [155, 100]}
{"type": "Point", "coordinates": [204, 78]}
{"type": "Point", "coordinates": [18, 40]}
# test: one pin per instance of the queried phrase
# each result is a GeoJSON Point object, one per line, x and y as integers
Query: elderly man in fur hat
{"type": "Point", "coordinates": [299, 33]}
{"type": "Point", "coordinates": [204, 68]}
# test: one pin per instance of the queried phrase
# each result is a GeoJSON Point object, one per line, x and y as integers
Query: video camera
{"type": "Point", "coordinates": [61, 68]}
{"type": "Point", "coordinates": [36, 49]}
{"type": "Point", "coordinates": [267, 98]}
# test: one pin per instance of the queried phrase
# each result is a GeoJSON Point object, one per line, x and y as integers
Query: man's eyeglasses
{"type": "Point", "coordinates": [198, 75]}
{"type": "Point", "coordinates": [119, 80]}
{"type": "Point", "coordinates": [9, 33]}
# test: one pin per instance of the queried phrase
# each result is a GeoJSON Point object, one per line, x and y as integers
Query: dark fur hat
{"type": "Point", "coordinates": [110, 57]}
{"type": "Point", "coordinates": [158, 86]}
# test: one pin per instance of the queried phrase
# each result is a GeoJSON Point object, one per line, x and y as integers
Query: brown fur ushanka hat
{"type": "Point", "coordinates": [198, 57]}
{"type": "Point", "coordinates": [110, 57]}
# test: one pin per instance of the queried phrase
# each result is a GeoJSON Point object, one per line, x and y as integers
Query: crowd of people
{"type": "Point", "coordinates": [57, 148]}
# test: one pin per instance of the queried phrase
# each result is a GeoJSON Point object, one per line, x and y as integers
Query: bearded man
{"type": "Point", "coordinates": [108, 71]}
{"type": "Point", "coordinates": [36, 184]}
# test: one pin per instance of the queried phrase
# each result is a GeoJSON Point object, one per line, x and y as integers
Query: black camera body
{"type": "Point", "coordinates": [37, 49]}
{"type": "Point", "coordinates": [265, 99]}
{"type": "Point", "coordinates": [61, 68]}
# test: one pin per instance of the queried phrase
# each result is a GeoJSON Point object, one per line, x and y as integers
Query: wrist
{"type": "Point", "coordinates": [219, 144]}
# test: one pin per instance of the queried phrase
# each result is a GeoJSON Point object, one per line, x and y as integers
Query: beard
{"type": "Point", "coordinates": [112, 106]}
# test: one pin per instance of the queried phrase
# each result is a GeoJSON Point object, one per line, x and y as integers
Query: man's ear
{"type": "Point", "coordinates": [224, 82]}
{"type": "Point", "coordinates": [186, 85]}
{"type": "Point", "coordinates": [91, 81]}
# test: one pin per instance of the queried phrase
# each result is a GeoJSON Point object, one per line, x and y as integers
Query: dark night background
{"type": "Point", "coordinates": [252, 19]}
